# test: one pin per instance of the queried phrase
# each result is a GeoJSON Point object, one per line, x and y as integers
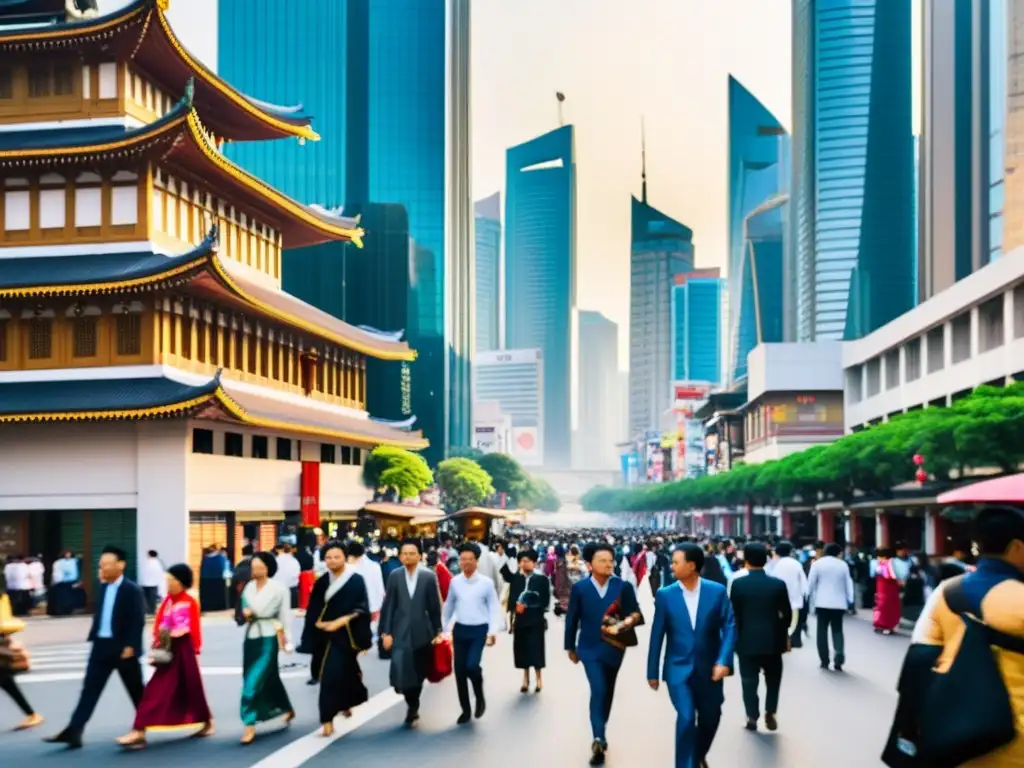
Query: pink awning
{"type": "Point", "coordinates": [1007, 490]}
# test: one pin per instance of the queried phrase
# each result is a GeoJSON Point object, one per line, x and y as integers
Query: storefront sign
{"type": "Point", "coordinates": [310, 499]}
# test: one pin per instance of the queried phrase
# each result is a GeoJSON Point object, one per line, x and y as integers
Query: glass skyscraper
{"type": "Point", "coordinates": [697, 326]}
{"type": "Point", "coordinates": [387, 83]}
{"type": "Point", "coordinates": [660, 249]}
{"type": "Point", "coordinates": [853, 166]}
{"type": "Point", "coordinates": [488, 273]}
{"type": "Point", "coordinates": [540, 272]}
{"type": "Point", "coordinates": [758, 184]}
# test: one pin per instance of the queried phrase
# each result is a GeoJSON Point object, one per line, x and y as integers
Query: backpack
{"type": "Point", "coordinates": [953, 733]}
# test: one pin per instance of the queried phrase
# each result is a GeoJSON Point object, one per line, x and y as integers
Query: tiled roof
{"type": "Point", "coordinates": [98, 398]}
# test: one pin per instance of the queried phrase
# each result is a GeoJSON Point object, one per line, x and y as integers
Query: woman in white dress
{"type": "Point", "coordinates": [266, 606]}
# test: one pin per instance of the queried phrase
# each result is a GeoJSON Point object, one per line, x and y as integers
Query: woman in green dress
{"type": "Point", "coordinates": [266, 606]}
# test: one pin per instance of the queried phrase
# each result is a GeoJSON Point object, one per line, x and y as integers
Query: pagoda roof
{"type": "Point", "coordinates": [163, 396]}
{"type": "Point", "coordinates": [202, 270]}
{"type": "Point", "coordinates": [181, 139]}
{"type": "Point", "coordinates": [141, 32]}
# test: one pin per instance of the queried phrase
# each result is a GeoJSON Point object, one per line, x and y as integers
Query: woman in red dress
{"type": "Point", "coordinates": [174, 697]}
{"type": "Point", "coordinates": [887, 595]}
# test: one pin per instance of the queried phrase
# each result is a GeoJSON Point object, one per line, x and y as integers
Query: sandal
{"type": "Point", "coordinates": [248, 736]}
{"type": "Point", "coordinates": [205, 731]}
{"type": "Point", "coordinates": [132, 741]}
{"type": "Point", "coordinates": [32, 721]}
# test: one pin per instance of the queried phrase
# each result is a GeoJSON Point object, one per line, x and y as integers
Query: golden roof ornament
{"type": "Point", "coordinates": [8, 623]}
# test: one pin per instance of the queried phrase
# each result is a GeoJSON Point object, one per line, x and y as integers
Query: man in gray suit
{"type": "Point", "coordinates": [410, 624]}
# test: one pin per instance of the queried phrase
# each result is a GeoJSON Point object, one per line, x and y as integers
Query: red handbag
{"type": "Point", "coordinates": [441, 663]}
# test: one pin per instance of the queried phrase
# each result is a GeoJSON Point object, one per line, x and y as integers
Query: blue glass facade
{"type": "Point", "coordinates": [758, 174]}
{"type": "Point", "coordinates": [488, 273]}
{"type": "Point", "coordinates": [540, 272]}
{"type": "Point", "coordinates": [373, 74]}
{"type": "Point", "coordinates": [697, 328]}
{"type": "Point", "coordinates": [852, 165]}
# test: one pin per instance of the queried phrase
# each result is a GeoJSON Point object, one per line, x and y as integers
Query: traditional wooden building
{"type": "Point", "coordinates": [158, 389]}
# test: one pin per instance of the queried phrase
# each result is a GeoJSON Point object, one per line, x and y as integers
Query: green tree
{"type": "Point", "coordinates": [397, 468]}
{"type": "Point", "coordinates": [463, 483]}
{"type": "Point", "coordinates": [539, 494]}
{"type": "Point", "coordinates": [507, 476]}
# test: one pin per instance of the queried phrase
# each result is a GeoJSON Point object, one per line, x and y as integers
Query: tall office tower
{"type": "Point", "coordinates": [853, 165]}
{"type": "Point", "coordinates": [697, 326]}
{"type": "Point", "coordinates": [1013, 144]}
{"type": "Point", "coordinates": [599, 393]}
{"type": "Point", "coordinates": [540, 272]}
{"type": "Point", "coordinates": [660, 249]}
{"type": "Point", "coordinates": [964, 141]}
{"type": "Point", "coordinates": [488, 274]}
{"type": "Point", "coordinates": [758, 192]}
{"type": "Point", "coordinates": [390, 78]}
{"type": "Point", "coordinates": [514, 379]}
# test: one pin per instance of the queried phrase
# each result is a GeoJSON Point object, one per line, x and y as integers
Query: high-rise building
{"type": "Point", "coordinates": [758, 187]}
{"type": "Point", "coordinates": [488, 274]}
{"type": "Point", "coordinates": [540, 272]}
{"type": "Point", "coordinates": [391, 80]}
{"type": "Point", "coordinates": [965, 64]}
{"type": "Point", "coordinates": [599, 393]}
{"type": "Point", "coordinates": [697, 326]}
{"type": "Point", "coordinates": [853, 166]}
{"type": "Point", "coordinates": [514, 379]}
{"type": "Point", "coordinates": [660, 249]}
{"type": "Point", "coordinates": [1012, 232]}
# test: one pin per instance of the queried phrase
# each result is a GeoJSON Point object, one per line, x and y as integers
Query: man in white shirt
{"type": "Point", "coordinates": [830, 591]}
{"type": "Point", "coordinates": [787, 568]}
{"type": "Point", "coordinates": [474, 609]}
{"type": "Point", "coordinates": [372, 575]}
{"type": "Point", "coordinates": [288, 570]}
{"type": "Point", "coordinates": [151, 580]}
{"type": "Point", "coordinates": [19, 585]}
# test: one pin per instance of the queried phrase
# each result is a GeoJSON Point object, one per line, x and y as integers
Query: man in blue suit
{"type": "Point", "coordinates": [695, 616]}
{"type": "Point", "coordinates": [599, 625]}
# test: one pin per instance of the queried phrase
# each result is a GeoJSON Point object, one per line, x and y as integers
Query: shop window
{"type": "Point", "coordinates": [346, 454]}
{"type": "Point", "coordinates": [84, 343]}
{"type": "Point", "coordinates": [202, 440]}
{"type": "Point", "coordinates": [40, 339]}
{"type": "Point", "coordinates": [6, 83]}
{"type": "Point", "coordinates": [38, 82]}
{"type": "Point", "coordinates": [233, 444]}
{"type": "Point", "coordinates": [327, 453]}
{"type": "Point", "coordinates": [129, 334]}
{"type": "Point", "coordinates": [284, 449]}
{"type": "Point", "coordinates": [260, 449]}
{"type": "Point", "coordinates": [63, 80]}
{"type": "Point", "coordinates": [357, 457]}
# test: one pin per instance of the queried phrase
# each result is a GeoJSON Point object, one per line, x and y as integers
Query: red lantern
{"type": "Point", "coordinates": [918, 460]}
{"type": "Point", "coordinates": [921, 476]}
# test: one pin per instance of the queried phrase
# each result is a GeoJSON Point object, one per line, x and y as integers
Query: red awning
{"type": "Point", "coordinates": [1007, 490]}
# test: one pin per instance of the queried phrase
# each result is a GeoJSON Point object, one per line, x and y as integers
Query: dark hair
{"type": "Point", "coordinates": [247, 550]}
{"type": "Point", "coordinates": [335, 544]}
{"type": "Point", "coordinates": [588, 552]}
{"type": "Point", "coordinates": [784, 549]}
{"type": "Point", "coordinates": [268, 560]}
{"type": "Point", "coordinates": [354, 548]}
{"type": "Point", "coordinates": [692, 553]}
{"type": "Point", "coordinates": [432, 558]}
{"type": "Point", "coordinates": [411, 543]}
{"type": "Point", "coordinates": [529, 554]}
{"type": "Point", "coordinates": [755, 555]}
{"type": "Point", "coordinates": [117, 552]}
{"type": "Point", "coordinates": [996, 528]}
{"type": "Point", "coordinates": [601, 547]}
{"type": "Point", "coordinates": [183, 573]}
{"type": "Point", "coordinates": [152, 553]}
{"type": "Point", "coordinates": [833, 550]}
{"type": "Point", "coordinates": [473, 549]}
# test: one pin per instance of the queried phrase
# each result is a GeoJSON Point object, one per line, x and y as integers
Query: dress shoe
{"type": "Point", "coordinates": [312, 681]}
{"type": "Point", "coordinates": [481, 707]}
{"type": "Point", "coordinates": [464, 718]}
{"type": "Point", "coordinates": [411, 716]}
{"type": "Point", "coordinates": [771, 723]}
{"type": "Point", "coordinates": [597, 753]}
{"type": "Point", "coordinates": [751, 724]}
{"type": "Point", "coordinates": [838, 667]}
{"type": "Point", "coordinates": [66, 737]}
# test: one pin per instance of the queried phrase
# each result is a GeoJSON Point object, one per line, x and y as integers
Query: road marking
{"type": "Point", "coordinates": [307, 747]}
{"type": "Point", "coordinates": [66, 677]}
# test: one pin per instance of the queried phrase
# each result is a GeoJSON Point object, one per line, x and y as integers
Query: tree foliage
{"type": "Point", "coordinates": [397, 468]}
{"type": "Point", "coordinates": [539, 494]}
{"type": "Point", "coordinates": [463, 483]}
{"type": "Point", "coordinates": [982, 430]}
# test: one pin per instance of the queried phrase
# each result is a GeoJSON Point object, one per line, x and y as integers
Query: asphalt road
{"type": "Point", "coordinates": [824, 717]}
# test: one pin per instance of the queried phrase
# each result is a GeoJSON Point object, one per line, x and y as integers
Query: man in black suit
{"type": "Point", "coordinates": [763, 614]}
{"type": "Point", "coordinates": [116, 638]}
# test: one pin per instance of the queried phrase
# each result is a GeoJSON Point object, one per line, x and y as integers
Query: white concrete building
{"type": "Point", "coordinates": [514, 379]}
{"type": "Point", "coordinates": [492, 429]}
{"type": "Point", "coordinates": [972, 333]}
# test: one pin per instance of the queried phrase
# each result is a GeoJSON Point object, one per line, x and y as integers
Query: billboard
{"type": "Point", "coordinates": [689, 458]}
{"type": "Point", "coordinates": [526, 446]}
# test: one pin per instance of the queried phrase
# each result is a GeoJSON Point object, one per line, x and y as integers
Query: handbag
{"type": "Point", "coordinates": [14, 659]}
{"type": "Point", "coordinates": [440, 662]}
{"type": "Point", "coordinates": [161, 655]}
{"type": "Point", "coordinates": [626, 636]}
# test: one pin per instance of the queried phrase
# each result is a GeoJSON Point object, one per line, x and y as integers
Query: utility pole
{"type": "Point", "coordinates": [643, 161]}
{"type": "Point", "coordinates": [561, 100]}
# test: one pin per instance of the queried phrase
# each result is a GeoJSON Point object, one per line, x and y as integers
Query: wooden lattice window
{"type": "Point", "coordinates": [129, 334]}
{"type": "Point", "coordinates": [39, 81]}
{"type": "Point", "coordinates": [85, 337]}
{"type": "Point", "coordinates": [40, 338]}
{"type": "Point", "coordinates": [6, 83]}
{"type": "Point", "coordinates": [63, 80]}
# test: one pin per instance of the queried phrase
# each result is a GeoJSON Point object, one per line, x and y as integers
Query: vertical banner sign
{"type": "Point", "coordinates": [309, 503]}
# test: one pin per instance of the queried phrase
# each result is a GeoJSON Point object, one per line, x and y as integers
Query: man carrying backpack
{"type": "Point", "coordinates": [974, 710]}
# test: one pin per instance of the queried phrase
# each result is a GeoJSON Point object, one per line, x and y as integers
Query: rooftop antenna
{"type": "Point", "coordinates": [561, 100]}
{"type": "Point", "coordinates": [643, 161]}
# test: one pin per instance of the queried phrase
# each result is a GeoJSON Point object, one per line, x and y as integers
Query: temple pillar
{"type": "Point", "coordinates": [826, 525]}
{"type": "Point", "coordinates": [787, 523]}
{"type": "Point", "coordinates": [748, 519]}
{"type": "Point", "coordinates": [882, 537]}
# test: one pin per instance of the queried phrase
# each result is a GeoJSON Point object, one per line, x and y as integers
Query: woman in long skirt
{"type": "Point", "coordinates": [529, 594]}
{"type": "Point", "coordinates": [887, 596]}
{"type": "Point", "coordinates": [174, 697]}
{"type": "Point", "coordinates": [339, 627]}
{"type": "Point", "coordinates": [266, 606]}
{"type": "Point", "coordinates": [14, 658]}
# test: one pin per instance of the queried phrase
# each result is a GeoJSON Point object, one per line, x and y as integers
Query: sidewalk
{"type": "Point", "coordinates": [68, 630]}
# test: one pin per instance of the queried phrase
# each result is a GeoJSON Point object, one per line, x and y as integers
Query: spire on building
{"type": "Point", "coordinates": [643, 162]}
